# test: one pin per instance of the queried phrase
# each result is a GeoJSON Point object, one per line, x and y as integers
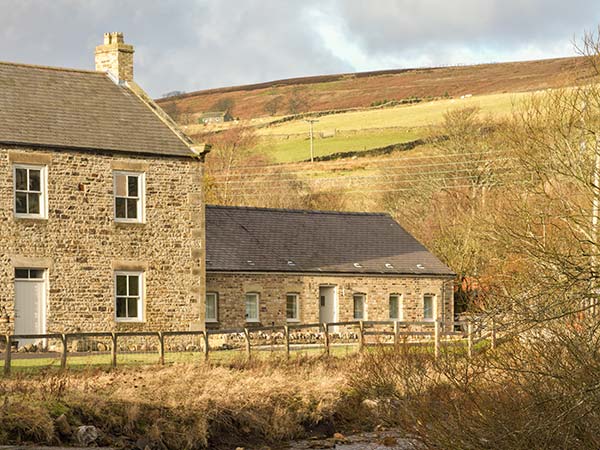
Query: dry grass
{"type": "Point", "coordinates": [179, 407]}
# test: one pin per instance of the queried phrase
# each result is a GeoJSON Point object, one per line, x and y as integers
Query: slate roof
{"type": "Point", "coordinates": [68, 108]}
{"type": "Point", "coordinates": [243, 239]}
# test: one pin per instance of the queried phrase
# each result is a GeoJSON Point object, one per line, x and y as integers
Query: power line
{"type": "Point", "coordinates": [221, 174]}
{"type": "Point", "coordinates": [238, 178]}
{"type": "Point", "coordinates": [441, 179]}
{"type": "Point", "coordinates": [359, 178]}
{"type": "Point", "coordinates": [369, 191]}
{"type": "Point", "coordinates": [385, 160]}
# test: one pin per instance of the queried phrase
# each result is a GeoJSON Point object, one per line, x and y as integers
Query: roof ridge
{"type": "Point", "coordinates": [298, 211]}
{"type": "Point", "coordinates": [58, 69]}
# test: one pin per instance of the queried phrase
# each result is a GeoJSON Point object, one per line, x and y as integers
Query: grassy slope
{"type": "Point", "coordinates": [298, 149]}
{"type": "Point", "coordinates": [362, 89]}
{"type": "Point", "coordinates": [405, 123]}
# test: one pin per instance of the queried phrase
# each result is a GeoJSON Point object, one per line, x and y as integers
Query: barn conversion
{"type": "Point", "coordinates": [273, 266]}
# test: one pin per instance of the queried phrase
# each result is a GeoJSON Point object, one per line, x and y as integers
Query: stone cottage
{"type": "Point", "coordinates": [101, 208]}
{"type": "Point", "coordinates": [274, 266]}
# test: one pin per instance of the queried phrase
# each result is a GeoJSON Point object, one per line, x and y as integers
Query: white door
{"type": "Point", "coordinates": [30, 303]}
{"type": "Point", "coordinates": [327, 304]}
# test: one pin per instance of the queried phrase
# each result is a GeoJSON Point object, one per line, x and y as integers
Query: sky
{"type": "Point", "coordinates": [188, 45]}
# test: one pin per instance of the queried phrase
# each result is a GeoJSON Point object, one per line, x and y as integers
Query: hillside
{"type": "Point", "coordinates": [356, 90]}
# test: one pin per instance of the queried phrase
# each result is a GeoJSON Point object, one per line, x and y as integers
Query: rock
{"type": "Point", "coordinates": [62, 426]}
{"type": "Point", "coordinates": [339, 438]}
{"type": "Point", "coordinates": [86, 435]}
{"type": "Point", "coordinates": [240, 448]}
{"type": "Point", "coordinates": [370, 404]}
{"type": "Point", "coordinates": [389, 441]}
{"type": "Point", "coordinates": [102, 347]}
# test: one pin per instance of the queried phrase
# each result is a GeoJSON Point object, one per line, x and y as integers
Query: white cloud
{"type": "Point", "coordinates": [198, 44]}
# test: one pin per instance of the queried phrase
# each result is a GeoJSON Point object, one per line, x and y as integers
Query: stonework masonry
{"type": "Point", "coordinates": [115, 56]}
{"type": "Point", "coordinates": [81, 245]}
{"type": "Point", "coordinates": [273, 287]}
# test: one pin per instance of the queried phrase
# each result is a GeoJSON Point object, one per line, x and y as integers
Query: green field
{"type": "Point", "coordinates": [409, 116]}
{"type": "Point", "coordinates": [364, 130]}
{"type": "Point", "coordinates": [298, 149]}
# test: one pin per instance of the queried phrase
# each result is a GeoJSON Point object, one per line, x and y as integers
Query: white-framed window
{"type": "Point", "coordinates": [396, 312]}
{"type": "Point", "coordinates": [30, 190]}
{"type": "Point", "coordinates": [292, 307]}
{"type": "Point", "coordinates": [428, 306]}
{"type": "Point", "coordinates": [29, 274]}
{"type": "Point", "coordinates": [212, 307]}
{"type": "Point", "coordinates": [252, 306]}
{"type": "Point", "coordinates": [129, 296]}
{"type": "Point", "coordinates": [359, 306]}
{"type": "Point", "coordinates": [129, 188]}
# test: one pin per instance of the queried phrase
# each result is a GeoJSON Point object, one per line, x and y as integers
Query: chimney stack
{"type": "Point", "coordinates": [115, 57]}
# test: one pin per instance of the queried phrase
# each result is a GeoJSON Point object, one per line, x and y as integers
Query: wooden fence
{"type": "Point", "coordinates": [399, 333]}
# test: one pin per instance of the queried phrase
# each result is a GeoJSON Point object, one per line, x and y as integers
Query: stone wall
{"type": "Point", "coordinates": [81, 245]}
{"type": "Point", "coordinates": [272, 289]}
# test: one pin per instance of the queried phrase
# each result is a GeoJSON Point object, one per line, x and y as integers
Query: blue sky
{"type": "Point", "coordinates": [198, 44]}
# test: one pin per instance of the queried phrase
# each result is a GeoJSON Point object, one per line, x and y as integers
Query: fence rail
{"type": "Point", "coordinates": [357, 332]}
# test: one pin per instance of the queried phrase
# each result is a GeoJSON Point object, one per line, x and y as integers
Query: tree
{"type": "Point", "coordinates": [230, 149]}
{"type": "Point", "coordinates": [298, 101]}
{"type": "Point", "coordinates": [223, 104]}
{"type": "Point", "coordinates": [273, 105]}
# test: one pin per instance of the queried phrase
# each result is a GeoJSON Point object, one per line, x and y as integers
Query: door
{"type": "Point", "coordinates": [30, 304]}
{"type": "Point", "coordinates": [327, 304]}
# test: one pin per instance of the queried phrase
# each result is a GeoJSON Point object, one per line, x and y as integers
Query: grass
{"type": "Point", "coordinates": [298, 148]}
{"type": "Point", "coordinates": [365, 130]}
{"type": "Point", "coordinates": [409, 116]}
{"type": "Point", "coordinates": [102, 360]}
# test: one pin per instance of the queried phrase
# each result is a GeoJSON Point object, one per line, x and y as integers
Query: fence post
{"type": "Point", "coordinates": [286, 333]}
{"type": "Point", "coordinates": [326, 335]}
{"type": "Point", "coordinates": [361, 336]}
{"type": "Point", "coordinates": [437, 336]}
{"type": "Point", "coordinates": [493, 343]}
{"type": "Point", "coordinates": [7, 355]}
{"type": "Point", "coordinates": [470, 338]}
{"type": "Point", "coordinates": [205, 347]}
{"type": "Point", "coordinates": [247, 336]}
{"type": "Point", "coordinates": [161, 348]}
{"type": "Point", "coordinates": [113, 350]}
{"type": "Point", "coordinates": [396, 331]}
{"type": "Point", "coordinates": [65, 350]}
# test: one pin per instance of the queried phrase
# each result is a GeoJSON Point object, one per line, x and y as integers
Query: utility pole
{"type": "Point", "coordinates": [311, 121]}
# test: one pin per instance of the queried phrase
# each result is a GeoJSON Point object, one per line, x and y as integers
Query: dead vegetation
{"type": "Point", "coordinates": [179, 407]}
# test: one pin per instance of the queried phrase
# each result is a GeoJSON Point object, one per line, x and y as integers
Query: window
{"type": "Point", "coordinates": [291, 308]}
{"type": "Point", "coordinates": [359, 306]}
{"type": "Point", "coordinates": [395, 307]}
{"type": "Point", "coordinates": [212, 307]}
{"type": "Point", "coordinates": [29, 274]}
{"type": "Point", "coordinates": [129, 196]}
{"type": "Point", "coordinates": [428, 306]}
{"type": "Point", "coordinates": [30, 191]}
{"type": "Point", "coordinates": [252, 307]}
{"type": "Point", "coordinates": [128, 296]}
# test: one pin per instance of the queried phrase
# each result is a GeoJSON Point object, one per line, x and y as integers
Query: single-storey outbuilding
{"type": "Point", "coordinates": [273, 266]}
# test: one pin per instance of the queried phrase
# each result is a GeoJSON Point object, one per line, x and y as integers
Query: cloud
{"type": "Point", "coordinates": [198, 44]}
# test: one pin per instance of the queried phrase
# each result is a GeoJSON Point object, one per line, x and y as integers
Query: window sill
{"type": "Point", "coordinates": [120, 321]}
{"type": "Point", "coordinates": [126, 224]}
{"type": "Point", "coordinates": [211, 321]}
{"type": "Point", "coordinates": [32, 219]}
{"type": "Point", "coordinates": [293, 320]}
